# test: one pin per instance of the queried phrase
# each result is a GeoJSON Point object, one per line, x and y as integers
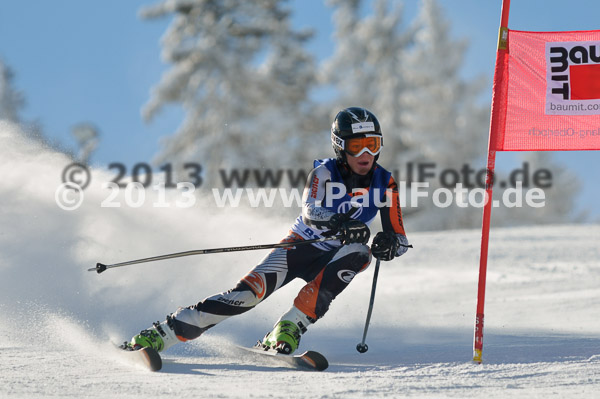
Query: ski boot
{"type": "Point", "coordinates": [158, 337]}
{"type": "Point", "coordinates": [284, 338]}
{"type": "Point", "coordinates": [286, 334]}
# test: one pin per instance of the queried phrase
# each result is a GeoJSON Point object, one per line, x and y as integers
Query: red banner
{"type": "Point", "coordinates": [549, 99]}
{"type": "Point", "coordinates": [546, 97]}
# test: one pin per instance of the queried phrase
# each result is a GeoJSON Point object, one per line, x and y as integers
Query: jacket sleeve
{"type": "Point", "coordinates": [313, 213]}
{"type": "Point", "coordinates": [391, 213]}
{"type": "Point", "coordinates": [391, 216]}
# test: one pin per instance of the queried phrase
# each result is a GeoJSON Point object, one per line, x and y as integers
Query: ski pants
{"type": "Point", "coordinates": [327, 273]}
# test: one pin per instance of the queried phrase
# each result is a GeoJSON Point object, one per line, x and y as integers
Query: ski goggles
{"type": "Point", "coordinates": [357, 146]}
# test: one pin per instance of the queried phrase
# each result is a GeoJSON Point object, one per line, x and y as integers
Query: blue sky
{"type": "Point", "coordinates": [96, 61]}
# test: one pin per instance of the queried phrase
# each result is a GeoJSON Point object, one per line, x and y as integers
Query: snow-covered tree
{"type": "Point", "coordinates": [366, 68]}
{"type": "Point", "coordinates": [11, 100]}
{"type": "Point", "coordinates": [240, 73]}
{"type": "Point", "coordinates": [87, 137]}
{"type": "Point", "coordinates": [444, 123]}
{"type": "Point", "coordinates": [409, 76]}
{"type": "Point", "coordinates": [443, 120]}
{"type": "Point", "coordinates": [540, 169]}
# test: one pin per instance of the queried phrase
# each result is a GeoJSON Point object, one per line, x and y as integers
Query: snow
{"type": "Point", "coordinates": [58, 321]}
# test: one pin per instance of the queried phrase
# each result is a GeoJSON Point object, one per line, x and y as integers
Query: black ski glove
{"type": "Point", "coordinates": [349, 230]}
{"type": "Point", "coordinates": [385, 245]}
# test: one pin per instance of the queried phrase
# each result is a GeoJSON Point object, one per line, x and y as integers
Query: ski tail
{"type": "Point", "coordinates": [145, 357]}
{"type": "Point", "coordinates": [309, 360]}
{"type": "Point", "coordinates": [315, 360]}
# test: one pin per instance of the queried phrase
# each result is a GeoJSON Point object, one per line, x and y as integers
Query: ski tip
{"type": "Point", "coordinates": [146, 358]}
{"type": "Point", "coordinates": [316, 360]}
{"type": "Point", "coordinates": [152, 358]}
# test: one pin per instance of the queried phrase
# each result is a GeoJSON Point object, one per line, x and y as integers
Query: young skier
{"type": "Point", "coordinates": [327, 267]}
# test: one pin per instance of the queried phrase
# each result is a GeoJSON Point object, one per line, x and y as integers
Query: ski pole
{"type": "Point", "coordinates": [100, 267]}
{"type": "Point", "coordinates": [362, 347]}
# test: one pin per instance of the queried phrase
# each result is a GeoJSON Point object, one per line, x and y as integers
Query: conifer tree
{"type": "Point", "coordinates": [241, 74]}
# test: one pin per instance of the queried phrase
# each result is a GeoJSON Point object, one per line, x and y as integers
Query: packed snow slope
{"type": "Point", "coordinates": [541, 338]}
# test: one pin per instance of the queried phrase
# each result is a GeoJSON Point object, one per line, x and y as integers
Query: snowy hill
{"type": "Point", "coordinates": [541, 338]}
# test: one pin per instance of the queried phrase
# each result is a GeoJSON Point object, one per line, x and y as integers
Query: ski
{"type": "Point", "coordinates": [145, 357]}
{"type": "Point", "coordinates": [309, 360]}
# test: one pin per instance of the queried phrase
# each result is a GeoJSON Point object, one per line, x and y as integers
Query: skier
{"type": "Point", "coordinates": [327, 267]}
